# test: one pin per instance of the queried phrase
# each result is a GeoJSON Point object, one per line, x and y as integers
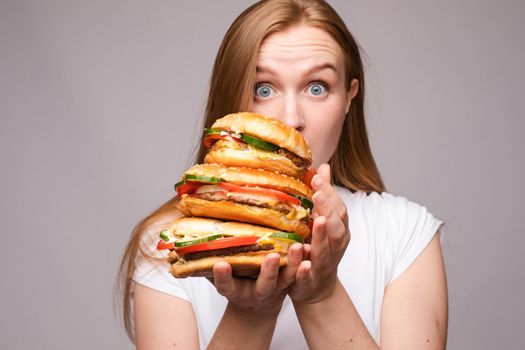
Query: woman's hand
{"type": "Point", "coordinates": [316, 277]}
{"type": "Point", "coordinates": [261, 297]}
{"type": "Point", "coordinates": [253, 304]}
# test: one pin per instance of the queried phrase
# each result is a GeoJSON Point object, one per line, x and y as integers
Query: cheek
{"type": "Point", "coordinates": [268, 107]}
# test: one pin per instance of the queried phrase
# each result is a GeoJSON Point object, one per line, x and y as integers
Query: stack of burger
{"type": "Point", "coordinates": [246, 201]}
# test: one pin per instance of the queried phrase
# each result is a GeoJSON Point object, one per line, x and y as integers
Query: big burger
{"type": "Point", "coordinates": [256, 141]}
{"type": "Point", "coordinates": [196, 244]}
{"type": "Point", "coordinates": [245, 202]}
{"type": "Point", "coordinates": [254, 196]}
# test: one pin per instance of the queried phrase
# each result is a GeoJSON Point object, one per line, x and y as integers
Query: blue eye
{"type": "Point", "coordinates": [263, 91]}
{"type": "Point", "coordinates": [317, 89]}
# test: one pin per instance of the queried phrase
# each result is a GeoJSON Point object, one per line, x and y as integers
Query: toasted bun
{"type": "Point", "coordinates": [204, 226]}
{"type": "Point", "coordinates": [268, 129]}
{"type": "Point", "coordinates": [249, 176]}
{"type": "Point", "coordinates": [245, 264]}
{"type": "Point", "coordinates": [229, 210]}
{"type": "Point", "coordinates": [246, 158]}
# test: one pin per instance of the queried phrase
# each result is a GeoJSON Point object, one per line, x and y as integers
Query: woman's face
{"type": "Point", "coordinates": [300, 80]}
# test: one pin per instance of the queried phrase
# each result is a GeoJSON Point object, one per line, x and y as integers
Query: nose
{"type": "Point", "coordinates": [292, 113]}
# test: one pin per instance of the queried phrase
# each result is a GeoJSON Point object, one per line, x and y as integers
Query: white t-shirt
{"type": "Point", "coordinates": [387, 235]}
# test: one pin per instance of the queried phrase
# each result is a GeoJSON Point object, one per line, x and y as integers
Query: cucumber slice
{"type": "Point", "coordinates": [305, 202]}
{"type": "Point", "coordinates": [180, 183]}
{"type": "Point", "coordinates": [268, 146]}
{"type": "Point", "coordinates": [210, 131]}
{"type": "Point", "coordinates": [287, 235]}
{"type": "Point", "coordinates": [199, 178]}
{"type": "Point", "coordinates": [259, 143]}
{"type": "Point", "coordinates": [197, 240]}
{"type": "Point", "coordinates": [164, 235]}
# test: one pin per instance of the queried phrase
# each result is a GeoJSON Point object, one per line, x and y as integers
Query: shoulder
{"type": "Point", "coordinates": [396, 228]}
{"type": "Point", "coordinates": [385, 206]}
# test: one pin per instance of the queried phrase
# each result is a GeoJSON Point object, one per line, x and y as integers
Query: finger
{"type": "Point", "coordinates": [321, 182]}
{"type": "Point", "coordinates": [267, 280]}
{"type": "Point", "coordinates": [331, 195]}
{"type": "Point", "coordinates": [303, 277]}
{"type": "Point", "coordinates": [294, 257]}
{"type": "Point", "coordinates": [335, 227]}
{"type": "Point", "coordinates": [223, 279]}
{"type": "Point", "coordinates": [324, 171]}
{"type": "Point", "coordinates": [306, 251]}
{"type": "Point", "coordinates": [320, 250]}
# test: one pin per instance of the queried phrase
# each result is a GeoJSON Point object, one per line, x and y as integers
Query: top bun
{"type": "Point", "coordinates": [267, 129]}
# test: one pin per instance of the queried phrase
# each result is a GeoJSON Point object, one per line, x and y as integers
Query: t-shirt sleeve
{"type": "Point", "coordinates": [412, 227]}
{"type": "Point", "coordinates": [152, 270]}
{"type": "Point", "coordinates": [155, 275]}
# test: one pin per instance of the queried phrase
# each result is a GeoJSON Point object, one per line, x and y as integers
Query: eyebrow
{"type": "Point", "coordinates": [314, 69]}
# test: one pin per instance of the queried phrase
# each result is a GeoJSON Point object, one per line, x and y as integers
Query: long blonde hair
{"type": "Point", "coordinates": [231, 90]}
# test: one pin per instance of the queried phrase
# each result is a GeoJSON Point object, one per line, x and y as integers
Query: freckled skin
{"type": "Point", "coordinates": [293, 63]}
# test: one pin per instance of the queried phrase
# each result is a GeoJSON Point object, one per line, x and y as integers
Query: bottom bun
{"type": "Point", "coordinates": [243, 265]}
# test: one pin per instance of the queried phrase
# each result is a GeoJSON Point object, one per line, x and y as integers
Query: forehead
{"type": "Point", "coordinates": [300, 43]}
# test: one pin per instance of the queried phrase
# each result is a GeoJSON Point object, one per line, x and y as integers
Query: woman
{"type": "Point", "coordinates": [373, 274]}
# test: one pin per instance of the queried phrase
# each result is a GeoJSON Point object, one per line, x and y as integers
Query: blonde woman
{"type": "Point", "coordinates": [373, 275]}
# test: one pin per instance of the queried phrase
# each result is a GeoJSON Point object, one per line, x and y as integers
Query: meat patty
{"type": "Point", "coordinates": [298, 161]}
{"type": "Point", "coordinates": [239, 198]}
{"type": "Point", "coordinates": [222, 252]}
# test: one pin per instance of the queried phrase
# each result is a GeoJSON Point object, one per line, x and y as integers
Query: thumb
{"type": "Point", "coordinates": [325, 172]}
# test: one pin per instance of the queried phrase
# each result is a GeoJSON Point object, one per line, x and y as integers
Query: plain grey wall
{"type": "Point", "coordinates": [99, 108]}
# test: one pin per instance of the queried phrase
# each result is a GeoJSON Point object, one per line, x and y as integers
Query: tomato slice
{"type": "Point", "coordinates": [210, 139]}
{"type": "Point", "coordinates": [188, 187]}
{"type": "Point", "coordinates": [308, 175]}
{"type": "Point", "coordinates": [281, 196]}
{"type": "Point", "coordinates": [218, 244]}
{"type": "Point", "coordinates": [163, 245]}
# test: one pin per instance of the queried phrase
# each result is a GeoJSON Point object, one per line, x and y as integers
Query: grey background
{"type": "Point", "coordinates": [99, 108]}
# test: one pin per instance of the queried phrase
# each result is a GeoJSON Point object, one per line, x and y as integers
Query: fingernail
{"type": "Point", "coordinates": [307, 267]}
{"type": "Point", "coordinates": [220, 268]}
{"type": "Point", "coordinates": [296, 251]}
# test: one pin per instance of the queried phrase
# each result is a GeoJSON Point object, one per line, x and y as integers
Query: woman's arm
{"type": "Point", "coordinates": [163, 321]}
{"type": "Point", "coordinates": [414, 314]}
{"type": "Point", "coordinates": [414, 306]}
{"type": "Point", "coordinates": [414, 311]}
{"type": "Point", "coordinates": [326, 314]}
{"type": "Point", "coordinates": [333, 323]}
{"type": "Point", "coordinates": [236, 331]}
